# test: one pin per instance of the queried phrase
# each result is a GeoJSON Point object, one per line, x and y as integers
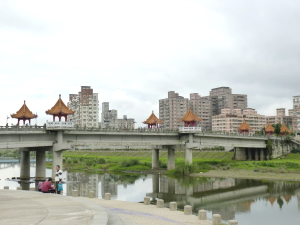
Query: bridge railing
{"type": "Point", "coordinates": [23, 128]}
{"type": "Point", "coordinates": [60, 125]}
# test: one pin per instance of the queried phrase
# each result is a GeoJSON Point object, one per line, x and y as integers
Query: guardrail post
{"type": "Point", "coordinates": [187, 210]}
{"type": "Point", "coordinates": [6, 187]}
{"type": "Point", "coordinates": [160, 203]}
{"type": "Point", "coordinates": [202, 215]}
{"type": "Point", "coordinates": [232, 222]}
{"type": "Point", "coordinates": [19, 188]}
{"type": "Point", "coordinates": [146, 200]}
{"type": "Point", "coordinates": [216, 219]}
{"type": "Point", "coordinates": [75, 193]}
{"type": "Point", "coordinates": [107, 196]}
{"type": "Point", "coordinates": [91, 194]}
{"type": "Point", "coordinates": [173, 206]}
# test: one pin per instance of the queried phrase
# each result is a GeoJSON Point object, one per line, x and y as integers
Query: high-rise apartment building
{"type": "Point", "coordinates": [86, 107]}
{"type": "Point", "coordinates": [222, 97]}
{"type": "Point", "coordinates": [172, 109]}
{"type": "Point", "coordinates": [296, 113]}
{"type": "Point", "coordinates": [281, 118]}
{"type": "Point", "coordinates": [109, 118]}
{"type": "Point", "coordinates": [230, 119]}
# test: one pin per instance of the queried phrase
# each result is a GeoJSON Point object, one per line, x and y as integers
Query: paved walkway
{"type": "Point", "coordinates": [30, 207]}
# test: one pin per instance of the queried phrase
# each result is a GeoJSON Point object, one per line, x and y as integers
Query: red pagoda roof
{"type": "Point", "coordinates": [285, 129]}
{"type": "Point", "coordinates": [24, 112]}
{"type": "Point", "coordinates": [152, 119]}
{"type": "Point", "coordinates": [244, 126]}
{"type": "Point", "coordinates": [59, 108]}
{"type": "Point", "coordinates": [189, 117]}
{"type": "Point", "coordinates": [269, 128]}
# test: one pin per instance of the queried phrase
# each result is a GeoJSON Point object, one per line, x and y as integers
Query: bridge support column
{"type": "Point", "coordinates": [240, 153]}
{"type": "Point", "coordinates": [56, 160]}
{"type": "Point", "coordinates": [40, 170]}
{"type": "Point", "coordinates": [249, 154]}
{"type": "Point", "coordinates": [155, 158]}
{"type": "Point", "coordinates": [188, 156]}
{"type": "Point", "coordinates": [171, 158]}
{"type": "Point", "coordinates": [25, 164]}
{"type": "Point", "coordinates": [256, 154]}
{"type": "Point", "coordinates": [262, 154]}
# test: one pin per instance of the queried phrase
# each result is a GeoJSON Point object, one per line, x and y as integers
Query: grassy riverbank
{"type": "Point", "coordinates": [209, 163]}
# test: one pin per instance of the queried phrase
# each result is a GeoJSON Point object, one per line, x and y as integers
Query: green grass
{"type": "Point", "coordinates": [202, 161]}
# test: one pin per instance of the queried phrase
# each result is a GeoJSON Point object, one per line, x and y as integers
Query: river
{"type": "Point", "coordinates": [248, 201]}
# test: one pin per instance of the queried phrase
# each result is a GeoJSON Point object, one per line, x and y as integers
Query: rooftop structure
{"type": "Point", "coordinates": [244, 128]}
{"type": "Point", "coordinates": [152, 121]}
{"type": "Point", "coordinates": [284, 130]}
{"type": "Point", "coordinates": [60, 110]}
{"type": "Point", "coordinates": [269, 129]}
{"type": "Point", "coordinates": [296, 113]}
{"type": "Point", "coordinates": [24, 114]}
{"type": "Point", "coordinates": [190, 119]}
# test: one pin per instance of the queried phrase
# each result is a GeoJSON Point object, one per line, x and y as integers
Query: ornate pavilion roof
{"type": "Point", "coordinates": [269, 128]}
{"type": "Point", "coordinates": [285, 129]}
{"type": "Point", "coordinates": [152, 119]}
{"type": "Point", "coordinates": [189, 117]}
{"type": "Point", "coordinates": [59, 108]}
{"type": "Point", "coordinates": [24, 112]}
{"type": "Point", "coordinates": [244, 126]}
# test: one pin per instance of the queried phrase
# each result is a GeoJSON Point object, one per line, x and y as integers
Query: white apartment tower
{"type": "Point", "coordinates": [86, 107]}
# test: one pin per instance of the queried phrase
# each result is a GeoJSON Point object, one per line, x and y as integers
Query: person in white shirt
{"type": "Point", "coordinates": [58, 176]}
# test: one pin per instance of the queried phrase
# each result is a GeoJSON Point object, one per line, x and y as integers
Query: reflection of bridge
{"type": "Point", "coordinates": [227, 195]}
{"type": "Point", "coordinates": [58, 139]}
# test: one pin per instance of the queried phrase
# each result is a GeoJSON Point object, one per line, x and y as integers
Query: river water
{"type": "Point", "coordinates": [251, 202]}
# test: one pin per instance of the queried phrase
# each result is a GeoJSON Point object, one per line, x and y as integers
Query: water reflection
{"type": "Point", "coordinates": [232, 198]}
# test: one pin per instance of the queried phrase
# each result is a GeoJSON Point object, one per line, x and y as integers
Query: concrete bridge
{"type": "Point", "coordinates": [60, 136]}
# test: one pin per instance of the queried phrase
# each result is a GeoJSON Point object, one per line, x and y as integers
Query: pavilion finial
{"type": "Point", "coordinates": [59, 95]}
{"type": "Point", "coordinates": [24, 101]}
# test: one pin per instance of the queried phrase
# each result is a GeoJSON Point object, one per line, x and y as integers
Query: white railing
{"type": "Point", "coordinates": [60, 124]}
{"type": "Point", "coordinates": [189, 129]}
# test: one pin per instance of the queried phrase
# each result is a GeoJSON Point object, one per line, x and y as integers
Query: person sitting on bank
{"type": "Point", "coordinates": [40, 185]}
{"type": "Point", "coordinates": [48, 187]}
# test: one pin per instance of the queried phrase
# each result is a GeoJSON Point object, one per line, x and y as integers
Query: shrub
{"type": "Point", "coordinates": [130, 162]}
{"type": "Point", "coordinates": [185, 169]}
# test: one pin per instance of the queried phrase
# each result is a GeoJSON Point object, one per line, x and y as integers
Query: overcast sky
{"type": "Point", "coordinates": [133, 52]}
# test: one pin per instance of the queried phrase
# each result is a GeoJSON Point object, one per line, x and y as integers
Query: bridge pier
{"type": "Point", "coordinates": [256, 154]}
{"type": "Point", "coordinates": [155, 158]}
{"type": "Point", "coordinates": [262, 154]}
{"type": "Point", "coordinates": [40, 169]}
{"type": "Point", "coordinates": [188, 155]}
{"type": "Point", "coordinates": [25, 164]}
{"type": "Point", "coordinates": [240, 153]}
{"type": "Point", "coordinates": [171, 158]}
{"type": "Point", "coordinates": [249, 154]}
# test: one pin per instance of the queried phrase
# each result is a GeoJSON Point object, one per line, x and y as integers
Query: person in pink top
{"type": "Point", "coordinates": [47, 186]}
{"type": "Point", "coordinates": [40, 185]}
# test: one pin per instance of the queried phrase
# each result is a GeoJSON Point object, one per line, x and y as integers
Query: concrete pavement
{"type": "Point", "coordinates": [30, 207]}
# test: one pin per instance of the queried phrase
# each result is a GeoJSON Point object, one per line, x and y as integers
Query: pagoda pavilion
{"type": "Point", "coordinates": [24, 114]}
{"type": "Point", "coordinates": [190, 119]}
{"type": "Point", "coordinates": [152, 121]}
{"type": "Point", "coordinates": [269, 129]}
{"type": "Point", "coordinates": [284, 130]}
{"type": "Point", "coordinates": [60, 110]}
{"type": "Point", "coordinates": [244, 128]}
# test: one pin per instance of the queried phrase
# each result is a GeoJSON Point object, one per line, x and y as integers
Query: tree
{"type": "Point", "coordinates": [277, 127]}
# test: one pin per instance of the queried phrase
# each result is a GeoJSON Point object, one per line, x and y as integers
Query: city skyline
{"type": "Point", "coordinates": [133, 53]}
